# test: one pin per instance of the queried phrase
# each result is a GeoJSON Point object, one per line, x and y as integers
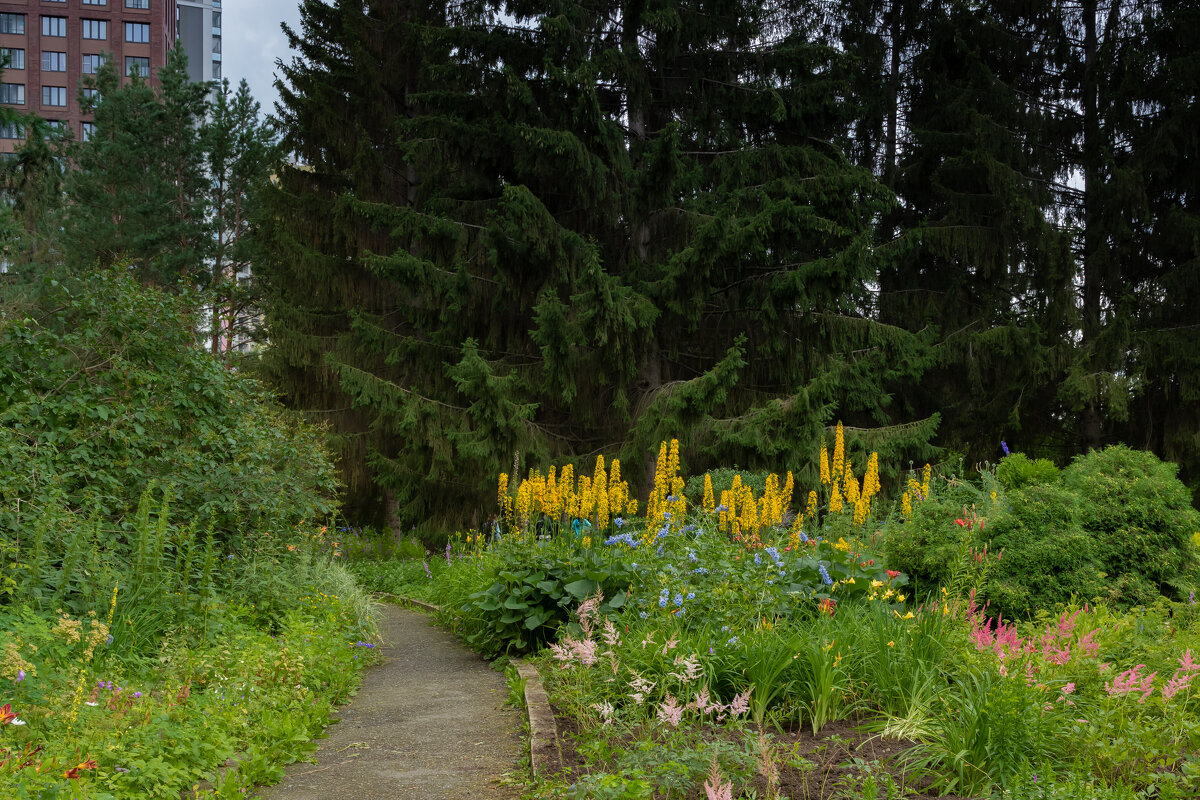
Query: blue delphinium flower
{"type": "Point", "coordinates": [700, 571]}
{"type": "Point", "coordinates": [757, 558]}
{"type": "Point", "coordinates": [803, 537]}
{"type": "Point", "coordinates": [691, 555]}
{"type": "Point", "coordinates": [619, 521]}
{"type": "Point", "coordinates": [662, 601]}
{"type": "Point", "coordinates": [678, 599]}
{"type": "Point", "coordinates": [1004, 446]}
{"type": "Point", "coordinates": [721, 509]}
{"type": "Point", "coordinates": [691, 595]}
{"type": "Point", "coordinates": [773, 553]}
{"type": "Point", "coordinates": [643, 614]}
{"type": "Point", "coordinates": [667, 516]}
{"type": "Point", "coordinates": [670, 498]}
{"type": "Point", "coordinates": [824, 575]}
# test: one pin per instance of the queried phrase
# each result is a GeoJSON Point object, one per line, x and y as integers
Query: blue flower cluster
{"type": "Point", "coordinates": [622, 538]}
{"type": "Point", "coordinates": [824, 575]}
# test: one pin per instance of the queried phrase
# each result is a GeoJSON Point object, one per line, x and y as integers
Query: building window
{"type": "Point", "coordinates": [54, 26]}
{"type": "Point", "coordinates": [54, 1]}
{"type": "Point", "coordinates": [12, 130]}
{"type": "Point", "coordinates": [137, 3]}
{"type": "Point", "coordinates": [87, 130]}
{"type": "Point", "coordinates": [92, 63]}
{"type": "Point", "coordinates": [54, 126]}
{"type": "Point", "coordinates": [137, 31]}
{"type": "Point", "coordinates": [12, 93]}
{"type": "Point", "coordinates": [12, 23]}
{"type": "Point", "coordinates": [95, 29]}
{"type": "Point", "coordinates": [137, 65]}
{"type": "Point", "coordinates": [95, 2]}
{"type": "Point", "coordinates": [12, 57]}
{"type": "Point", "coordinates": [91, 98]}
{"type": "Point", "coordinates": [53, 61]}
{"type": "Point", "coordinates": [216, 70]}
{"type": "Point", "coordinates": [54, 95]}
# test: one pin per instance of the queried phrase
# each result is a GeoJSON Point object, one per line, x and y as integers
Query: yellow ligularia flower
{"type": "Point", "coordinates": [839, 456]}
{"type": "Point", "coordinates": [709, 502]}
{"type": "Point", "coordinates": [824, 463]}
{"type": "Point", "coordinates": [842, 544]}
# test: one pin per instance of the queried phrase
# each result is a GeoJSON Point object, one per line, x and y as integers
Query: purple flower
{"type": "Point", "coordinates": [137, 694]}
{"type": "Point", "coordinates": [1004, 446]}
{"type": "Point", "coordinates": [21, 672]}
{"type": "Point", "coordinates": [428, 574]}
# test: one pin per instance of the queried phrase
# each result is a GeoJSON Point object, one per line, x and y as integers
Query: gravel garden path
{"type": "Point", "coordinates": [428, 723]}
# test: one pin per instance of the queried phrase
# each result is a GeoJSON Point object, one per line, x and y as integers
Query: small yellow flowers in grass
{"type": "Point", "coordinates": [891, 644]}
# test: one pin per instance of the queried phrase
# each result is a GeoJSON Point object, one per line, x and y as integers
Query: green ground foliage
{"type": "Point", "coordinates": [168, 598]}
{"type": "Point", "coordinates": [729, 657]}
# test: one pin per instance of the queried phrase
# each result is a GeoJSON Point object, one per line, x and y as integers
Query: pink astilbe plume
{"type": "Point", "coordinates": [1131, 682]}
{"type": "Point", "coordinates": [610, 635]}
{"type": "Point", "coordinates": [671, 712]}
{"type": "Point", "coordinates": [740, 703]}
{"type": "Point", "coordinates": [584, 650]}
{"type": "Point", "coordinates": [562, 652]}
{"type": "Point", "coordinates": [716, 788]}
{"type": "Point", "coordinates": [690, 671]}
{"type": "Point", "coordinates": [587, 610]}
{"type": "Point", "coordinates": [641, 687]}
{"type": "Point", "coordinates": [1182, 679]}
{"type": "Point", "coordinates": [670, 645]}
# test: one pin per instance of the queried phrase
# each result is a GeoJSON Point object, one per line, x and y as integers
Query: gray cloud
{"type": "Point", "coordinates": [252, 41]}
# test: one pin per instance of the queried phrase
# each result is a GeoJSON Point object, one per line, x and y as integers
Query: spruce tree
{"type": "Point", "coordinates": [579, 230]}
{"type": "Point", "coordinates": [137, 194]}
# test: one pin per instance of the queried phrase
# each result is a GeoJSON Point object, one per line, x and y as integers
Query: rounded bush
{"type": "Point", "coordinates": [1140, 518]}
{"type": "Point", "coordinates": [1018, 470]}
{"type": "Point", "coordinates": [1047, 556]}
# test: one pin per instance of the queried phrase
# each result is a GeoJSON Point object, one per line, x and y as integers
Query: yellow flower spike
{"type": "Point", "coordinates": [835, 502]}
{"type": "Point", "coordinates": [709, 504]}
{"type": "Point", "coordinates": [928, 472]}
{"type": "Point", "coordinates": [839, 456]}
{"type": "Point", "coordinates": [824, 463]}
{"type": "Point", "coordinates": [906, 506]}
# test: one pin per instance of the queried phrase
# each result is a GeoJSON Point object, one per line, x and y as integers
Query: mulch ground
{"type": "Point", "coordinates": [833, 762]}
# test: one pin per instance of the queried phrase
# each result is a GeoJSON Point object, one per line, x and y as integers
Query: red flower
{"type": "Point", "coordinates": [962, 523]}
{"type": "Point", "coordinates": [6, 714]}
{"type": "Point", "coordinates": [73, 772]}
{"type": "Point", "coordinates": [827, 606]}
{"type": "Point", "coordinates": [892, 574]}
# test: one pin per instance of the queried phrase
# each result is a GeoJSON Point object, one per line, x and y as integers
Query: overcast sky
{"type": "Point", "coordinates": [252, 41]}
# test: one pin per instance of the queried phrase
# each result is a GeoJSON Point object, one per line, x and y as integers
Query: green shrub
{"type": "Point", "coordinates": [1047, 556]}
{"type": "Point", "coordinates": [928, 546]}
{"type": "Point", "coordinates": [1018, 470]}
{"type": "Point", "coordinates": [520, 603]}
{"type": "Point", "coordinates": [1140, 516]}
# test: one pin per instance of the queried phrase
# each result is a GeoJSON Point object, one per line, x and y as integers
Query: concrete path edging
{"type": "Point", "coordinates": [545, 754]}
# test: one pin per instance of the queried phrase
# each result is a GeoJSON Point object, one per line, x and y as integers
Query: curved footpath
{"type": "Point", "coordinates": [428, 723]}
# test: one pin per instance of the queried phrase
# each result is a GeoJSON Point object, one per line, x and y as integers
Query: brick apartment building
{"type": "Point", "coordinates": [51, 45]}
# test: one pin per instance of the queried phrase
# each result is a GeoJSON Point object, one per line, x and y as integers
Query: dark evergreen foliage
{"type": "Point", "coordinates": [535, 231]}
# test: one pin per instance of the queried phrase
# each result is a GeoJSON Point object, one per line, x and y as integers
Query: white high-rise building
{"type": "Point", "coordinates": [200, 34]}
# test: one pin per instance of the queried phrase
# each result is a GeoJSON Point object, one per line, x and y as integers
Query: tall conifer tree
{"type": "Point", "coordinates": [561, 229]}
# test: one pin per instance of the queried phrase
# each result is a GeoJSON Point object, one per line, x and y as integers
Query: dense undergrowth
{"type": "Point", "coordinates": [170, 598]}
{"type": "Point", "coordinates": [706, 653]}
